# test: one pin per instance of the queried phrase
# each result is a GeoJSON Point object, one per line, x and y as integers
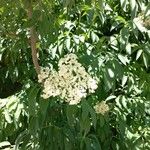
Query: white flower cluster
{"type": "Point", "coordinates": [71, 82]}
{"type": "Point", "coordinates": [142, 23]}
{"type": "Point", "coordinates": [101, 108]}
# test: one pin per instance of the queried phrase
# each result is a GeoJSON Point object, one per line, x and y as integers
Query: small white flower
{"type": "Point", "coordinates": [81, 92]}
{"type": "Point", "coordinates": [92, 84]}
{"type": "Point", "coordinates": [73, 101]}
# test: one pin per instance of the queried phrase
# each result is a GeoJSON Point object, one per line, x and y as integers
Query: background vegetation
{"type": "Point", "coordinates": [111, 39]}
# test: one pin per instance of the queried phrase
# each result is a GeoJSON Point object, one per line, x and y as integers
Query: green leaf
{"type": "Point", "coordinates": [88, 143]}
{"type": "Point", "coordinates": [54, 51]}
{"type": "Point", "coordinates": [124, 80]}
{"type": "Point", "coordinates": [94, 37]}
{"type": "Point", "coordinates": [123, 59]}
{"type": "Point", "coordinates": [4, 144]}
{"type": "Point", "coordinates": [124, 37]}
{"type": "Point", "coordinates": [110, 97]}
{"type": "Point", "coordinates": [93, 116]}
{"type": "Point", "coordinates": [138, 54]}
{"type": "Point", "coordinates": [33, 125]}
{"type": "Point", "coordinates": [18, 111]}
{"type": "Point", "coordinates": [108, 81]}
{"type": "Point", "coordinates": [71, 113]}
{"type": "Point", "coordinates": [128, 48]}
{"type": "Point", "coordinates": [118, 103]}
{"type": "Point", "coordinates": [95, 142]}
{"type": "Point", "coordinates": [86, 122]}
{"type": "Point", "coordinates": [87, 109]}
{"type": "Point", "coordinates": [32, 96]}
{"type": "Point", "coordinates": [145, 59]}
{"type": "Point", "coordinates": [82, 38]}
{"type": "Point", "coordinates": [7, 116]}
{"type": "Point", "coordinates": [147, 12]}
{"type": "Point", "coordinates": [12, 103]}
{"type": "Point", "coordinates": [102, 121]}
{"type": "Point", "coordinates": [100, 2]}
{"type": "Point", "coordinates": [124, 4]}
{"type": "Point", "coordinates": [68, 145]}
{"type": "Point", "coordinates": [85, 126]}
{"type": "Point", "coordinates": [111, 73]}
{"type": "Point", "coordinates": [76, 39]}
{"type": "Point", "coordinates": [124, 102]}
{"type": "Point", "coordinates": [43, 106]}
{"type": "Point", "coordinates": [19, 139]}
{"type": "Point", "coordinates": [134, 8]}
{"type": "Point", "coordinates": [68, 42]}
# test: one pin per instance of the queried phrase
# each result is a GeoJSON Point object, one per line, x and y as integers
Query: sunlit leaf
{"type": "Point", "coordinates": [110, 72]}
{"type": "Point", "coordinates": [4, 143]}
{"type": "Point", "coordinates": [124, 4]}
{"type": "Point", "coordinates": [138, 54]}
{"type": "Point", "coordinates": [145, 59]}
{"type": "Point", "coordinates": [7, 116]}
{"type": "Point", "coordinates": [68, 43]}
{"type": "Point", "coordinates": [124, 80]}
{"type": "Point", "coordinates": [123, 59]}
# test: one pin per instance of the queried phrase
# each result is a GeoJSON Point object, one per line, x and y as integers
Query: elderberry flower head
{"type": "Point", "coordinates": [101, 108]}
{"type": "Point", "coordinates": [71, 82]}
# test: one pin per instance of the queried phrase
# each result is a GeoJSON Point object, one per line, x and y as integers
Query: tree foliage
{"type": "Point", "coordinates": [111, 39]}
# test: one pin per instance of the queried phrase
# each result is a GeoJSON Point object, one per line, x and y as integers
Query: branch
{"type": "Point", "coordinates": [33, 39]}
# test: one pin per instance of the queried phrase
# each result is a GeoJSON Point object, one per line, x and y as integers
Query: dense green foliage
{"type": "Point", "coordinates": [111, 39]}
